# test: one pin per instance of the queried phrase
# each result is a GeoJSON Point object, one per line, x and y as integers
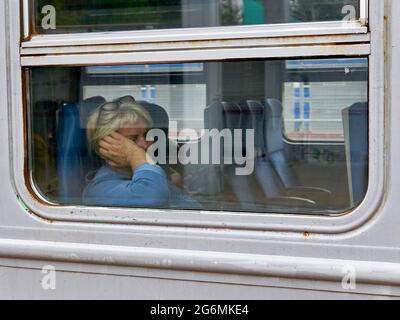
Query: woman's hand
{"type": "Point", "coordinates": [175, 177]}
{"type": "Point", "coordinates": [119, 151]}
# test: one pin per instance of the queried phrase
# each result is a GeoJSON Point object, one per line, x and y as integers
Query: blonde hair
{"type": "Point", "coordinates": [102, 122]}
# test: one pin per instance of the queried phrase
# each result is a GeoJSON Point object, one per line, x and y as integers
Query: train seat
{"type": "Point", "coordinates": [238, 117]}
{"type": "Point", "coordinates": [279, 160]}
{"type": "Point", "coordinates": [158, 115]}
{"type": "Point", "coordinates": [355, 120]}
{"type": "Point", "coordinates": [87, 107]}
{"type": "Point", "coordinates": [205, 181]}
{"type": "Point", "coordinates": [71, 147]}
{"type": "Point", "coordinates": [263, 187]}
{"type": "Point", "coordinates": [44, 146]}
{"type": "Point", "coordinates": [257, 114]}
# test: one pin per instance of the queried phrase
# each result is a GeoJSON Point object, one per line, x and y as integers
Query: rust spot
{"type": "Point", "coordinates": [306, 235]}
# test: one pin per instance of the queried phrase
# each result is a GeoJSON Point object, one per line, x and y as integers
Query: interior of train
{"type": "Point", "coordinates": [309, 118]}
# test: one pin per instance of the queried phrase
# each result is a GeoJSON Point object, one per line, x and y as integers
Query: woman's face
{"type": "Point", "coordinates": [137, 133]}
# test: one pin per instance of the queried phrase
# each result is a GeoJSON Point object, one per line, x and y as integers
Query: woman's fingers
{"type": "Point", "coordinates": [108, 159]}
{"type": "Point", "coordinates": [109, 139]}
{"type": "Point", "coordinates": [111, 144]}
{"type": "Point", "coordinates": [117, 136]}
{"type": "Point", "coordinates": [105, 145]}
{"type": "Point", "coordinates": [115, 159]}
{"type": "Point", "coordinates": [110, 154]}
{"type": "Point", "coordinates": [117, 150]}
{"type": "Point", "coordinates": [104, 153]}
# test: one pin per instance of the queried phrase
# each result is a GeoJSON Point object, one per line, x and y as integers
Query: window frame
{"type": "Point", "coordinates": [363, 43]}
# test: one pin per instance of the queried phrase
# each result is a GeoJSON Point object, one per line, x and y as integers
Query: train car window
{"type": "Point", "coordinates": [209, 136]}
{"type": "Point", "coordinates": [309, 113]}
{"type": "Point", "coordinates": [62, 16]}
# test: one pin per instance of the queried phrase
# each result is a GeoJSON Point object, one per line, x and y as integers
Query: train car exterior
{"type": "Point", "coordinates": [333, 78]}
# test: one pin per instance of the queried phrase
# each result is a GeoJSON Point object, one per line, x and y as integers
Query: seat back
{"type": "Point", "coordinates": [273, 126]}
{"type": "Point", "coordinates": [71, 146]}
{"type": "Point", "coordinates": [160, 121]}
{"type": "Point", "coordinates": [232, 120]}
{"type": "Point", "coordinates": [232, 115]}
{"type": "Point", "coordinates": [88, 107]}
{"type": "Point", "coordinates": [257, 113]}
{"type": "Point", "coordinates": [275, 143]}
{"type": "Point", "coordinates": [44, 146]}
{"type": "Point", "coordinates": [158, 115]}
{"type": "Point", "coordinates": [205, 180]}
{"type": "Point", "coordinates": [237, 117]}
{"type": "Point", "coordinates": [264, 175]}
{"type": "Point", "coordinates": [355, 120]}
{"type": "Point", "coordinates": [91, 160]}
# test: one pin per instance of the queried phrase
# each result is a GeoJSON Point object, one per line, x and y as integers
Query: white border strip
{"type": "Point", "coordinates": [366, 272]}
{"type": "Point", "coordinates": [196, 55]}
{"type": "Point", "coordinates": [281, 42]}
{"type": "Point", "coordinates": [197, 34]}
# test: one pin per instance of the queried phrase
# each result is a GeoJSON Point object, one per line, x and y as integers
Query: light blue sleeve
{"type": "Point", "coordinates": [148, 188]}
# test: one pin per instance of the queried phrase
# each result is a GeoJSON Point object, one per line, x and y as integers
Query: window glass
{"type": "Point", "coordinates": [62, 16]}
{"type": "Point", "coordinates": [309, 112]}
{"type": "Point", "coordinates": [217, 135]}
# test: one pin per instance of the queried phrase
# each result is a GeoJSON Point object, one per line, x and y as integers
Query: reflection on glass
{"type": "Point", "coordinates": [61, 16]}
{"type": "Point", "coordinates": [252, 136]}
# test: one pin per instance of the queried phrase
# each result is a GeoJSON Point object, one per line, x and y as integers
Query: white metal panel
{"type": "Point", "coordinates": [24, 283]}
{"type": "Point", "coordinates": [281, 42]}
{"type": "Point", "coordinates": [195, 55]}
{"type": "Point", "coordinates": [198, 34]}
{"type": "Point", "coordinates": [204, 261]}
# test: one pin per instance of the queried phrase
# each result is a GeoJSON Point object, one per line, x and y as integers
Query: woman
{"type": "Point", "coordinates": [129, 178]}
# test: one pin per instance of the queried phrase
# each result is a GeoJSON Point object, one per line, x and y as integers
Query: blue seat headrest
{"type": "Point", "coordinates": [70, 143]}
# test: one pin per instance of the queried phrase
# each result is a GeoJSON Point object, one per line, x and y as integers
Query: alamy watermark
{"type": "Point", "coordinates": [49, 21]}
{"type": "Point", "coordinates": [49, 278]}
{"type": "Point", "coordinates": [350, 13]}
{"type": "Point", "coordinates": [349, 281]}
{"type": "Point", "coordinates": [217, 147]}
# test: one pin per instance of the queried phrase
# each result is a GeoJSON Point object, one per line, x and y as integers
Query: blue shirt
{"type": "Point", "coordinates": [149, 187]}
